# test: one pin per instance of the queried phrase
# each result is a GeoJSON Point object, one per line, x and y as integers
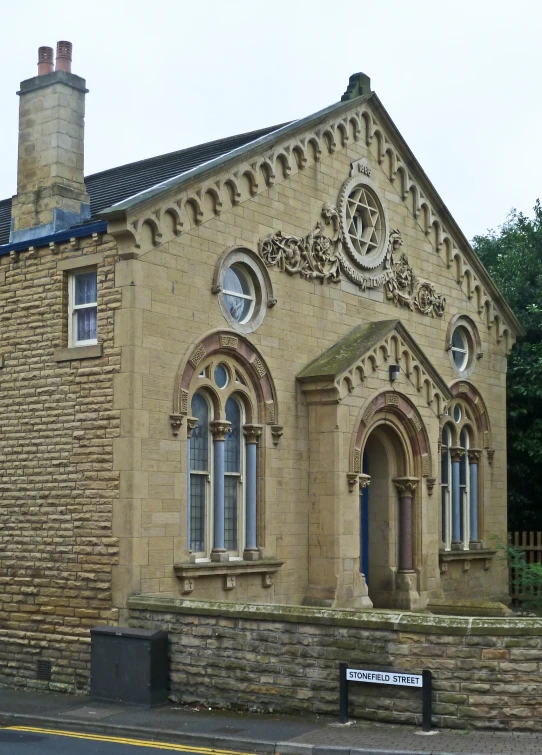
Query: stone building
{"type": "Point", "coordinates": [266, 370]}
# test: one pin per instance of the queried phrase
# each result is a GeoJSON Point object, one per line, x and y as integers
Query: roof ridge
{"type": "Point", "coordinates": [175, 153]}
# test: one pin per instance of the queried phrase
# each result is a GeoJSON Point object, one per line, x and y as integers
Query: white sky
{"type": "Point", "coordinates": [460, 79]}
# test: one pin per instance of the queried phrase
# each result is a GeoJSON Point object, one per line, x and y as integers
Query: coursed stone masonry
{"type": "Point", "coordinates": [487, 672]}
{"type": "Point", "coordinates": [58, 484]}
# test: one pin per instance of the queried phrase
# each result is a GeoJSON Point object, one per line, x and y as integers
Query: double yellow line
{"type": "Point", "coordinates": [126, 741]}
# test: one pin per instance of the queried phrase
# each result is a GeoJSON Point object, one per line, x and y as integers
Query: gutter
{"type": "Point", "coordinates": [55, 238]}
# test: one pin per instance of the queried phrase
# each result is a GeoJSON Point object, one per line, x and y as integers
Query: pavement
{"type": "Point", "coordinates": [251, 733]}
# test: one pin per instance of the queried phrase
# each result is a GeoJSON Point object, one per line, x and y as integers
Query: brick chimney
{"type": "Point", "coordinates": [51, 194]}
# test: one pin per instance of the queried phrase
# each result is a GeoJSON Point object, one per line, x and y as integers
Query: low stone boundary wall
{"type": "Point", "coordinates": [486, 671]}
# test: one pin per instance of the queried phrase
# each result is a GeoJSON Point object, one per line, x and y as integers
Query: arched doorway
{"type": "Point", "coordinates": [383, 461]}
{"type": "Point", "coordinates": [389, 456]}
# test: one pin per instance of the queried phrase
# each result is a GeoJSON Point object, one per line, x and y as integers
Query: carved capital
{"type": "Point", "coordinates": [252, 433]}
{"type": "Point", "coordinates": [276, 432]}
{"type": "Point", "coordinates": [191, 424]}
{"type": "Point", "coordinates": [406, 486]}
{"type": "Point", "coordinates": [353, 478]}
{"type": "Point", "coordinates": [176, 421]}
{"type": "Point", "coordinates": [220, 428]}
{"type": "Point", "coordinates": [430, 482]}
{"type": "Point", "coordinates": [457, 453]}
{"type": "Point", "coordinates": [364, 480]}
{"type": "Point", "coordinates": [475, 454]}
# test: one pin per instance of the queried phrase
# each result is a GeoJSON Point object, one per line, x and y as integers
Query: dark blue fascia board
{"type": "Point", "coordinates": [73, 233]}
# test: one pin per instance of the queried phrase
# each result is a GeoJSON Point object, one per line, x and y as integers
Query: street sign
{"type": "Point", "coordinates": [397, 678]}
{"type": "Point", "coordinates": [384, 677]}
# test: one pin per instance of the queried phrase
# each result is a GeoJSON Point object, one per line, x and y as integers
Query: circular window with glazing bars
{"type": "Point", "coordinates": [244, 289]}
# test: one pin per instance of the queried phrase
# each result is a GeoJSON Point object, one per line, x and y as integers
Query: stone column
{"type": "Point", "coordinates": [406, 580]}
{"type": "Point", "coordinates": [457, 454]}
{"type": "Point", "coordinates": [191, 423]}
{"type": "Point", "coordinates": [219, 429]}
{"type": "Point", "coordinates": [252, 435]}
{"type": "Point", "coordinates": [475, 455]}
{"type": "Point", "coordinates": [406, 487]}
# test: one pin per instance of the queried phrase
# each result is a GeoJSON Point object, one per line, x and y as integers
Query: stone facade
{"type": "Point", "coordinates": [486, 672]}
{"type": "Point", "coordinates": [348, 354]}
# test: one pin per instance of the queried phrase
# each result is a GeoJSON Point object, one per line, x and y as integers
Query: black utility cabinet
{"type": "Point", "coordinates": [129, 665]}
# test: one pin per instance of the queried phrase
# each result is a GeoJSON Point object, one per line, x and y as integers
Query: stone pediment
{"type": "Point", "coordinates": [346, 364]}
{"type": "Point", "coordinates": [196, 196]}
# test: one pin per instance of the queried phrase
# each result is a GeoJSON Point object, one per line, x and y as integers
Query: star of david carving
{"type": "Point", "coordinates": [363, 221]}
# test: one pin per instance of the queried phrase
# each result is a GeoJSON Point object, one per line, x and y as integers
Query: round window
{"type": "Point", "coordinates": [457, 413]}
{"type": "Point", "coordinates": [239, 295]}
{"type": "Point", "coordinates": [221, 376]}
{"type": "Point", "coordinates": [460, 348]}
{"type": "Point", "coordinates": [244, 289]}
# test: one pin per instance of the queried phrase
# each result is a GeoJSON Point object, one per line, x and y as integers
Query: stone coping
{"type": "Point", "coordinates": [402, 621]}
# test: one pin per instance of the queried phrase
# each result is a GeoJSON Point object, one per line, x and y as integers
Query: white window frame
{"type": "Point", "coordinates": [73, 308]}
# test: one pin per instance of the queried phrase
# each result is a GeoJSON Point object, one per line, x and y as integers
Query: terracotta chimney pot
{"type": "Point", "coordinates": [63, 56]}
{"type": "Point", "coordinates": [45, 60]}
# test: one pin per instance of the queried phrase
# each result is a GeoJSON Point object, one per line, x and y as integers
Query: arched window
{"type": "Point", "coordinates": [232, 475]}
{"type": "Point", "coordinates": [446, 488]}
{"type": "Point", "coordinates": [223, 463]}
{"type": "Point", "coordinates": [459, 481]}
{"type": "Point", "coordinates": [199, 474]}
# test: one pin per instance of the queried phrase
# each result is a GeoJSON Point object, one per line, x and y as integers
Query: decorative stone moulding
{"type": "Point", "coordinates": [176, 421]}
{"type": "Point", "coordinates": [229, 570]}
{"type": "Point", "coordinates": [466, 557]}
{"type": "Point", "coordinates": [328, 257]}
{"type": "Point", "coordinates": [430, 482]}
{"type": "Point", "coordinates": [187, 203]}
{"type": "Point", "coordinates": [276, 433]}
{"type": "Point", "coordinates": [355, 478]}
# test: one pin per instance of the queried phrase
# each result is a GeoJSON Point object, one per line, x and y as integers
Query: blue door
{"type": "Point", "coordinates": [364, 523]}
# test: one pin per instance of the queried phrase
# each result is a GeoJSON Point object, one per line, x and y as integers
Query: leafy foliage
{"type": "Point", "coordinates": [526, 578]}
{"type": "Point", "coordinates": [513, 256]}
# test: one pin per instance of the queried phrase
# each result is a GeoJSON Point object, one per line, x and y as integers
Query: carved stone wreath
{"type": "Point", "coordinates": [324, 254]}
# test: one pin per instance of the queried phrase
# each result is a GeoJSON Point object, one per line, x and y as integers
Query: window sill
{"type": "Point", "coordinates": [188, 573]}
{"type": "Point", "coordinates": [483, 554]}
{"type": "Point", "coordinates": [78, 352]}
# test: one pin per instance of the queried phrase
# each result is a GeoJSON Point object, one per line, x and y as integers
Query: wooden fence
{"type": "Point", "coordinates": [530, 543]}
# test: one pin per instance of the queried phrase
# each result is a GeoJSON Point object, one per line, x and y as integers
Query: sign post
{"type": "Point", "coordinates": [395, 678]}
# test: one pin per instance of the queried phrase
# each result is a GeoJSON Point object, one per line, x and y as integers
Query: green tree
{"type": "Point", "coordinates": [513, 256]}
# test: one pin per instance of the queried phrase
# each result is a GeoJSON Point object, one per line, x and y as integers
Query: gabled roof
{"type": "Point", "coordinates": [117, 184]}
{"type": "Point", "coordinates": [343, 356]}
